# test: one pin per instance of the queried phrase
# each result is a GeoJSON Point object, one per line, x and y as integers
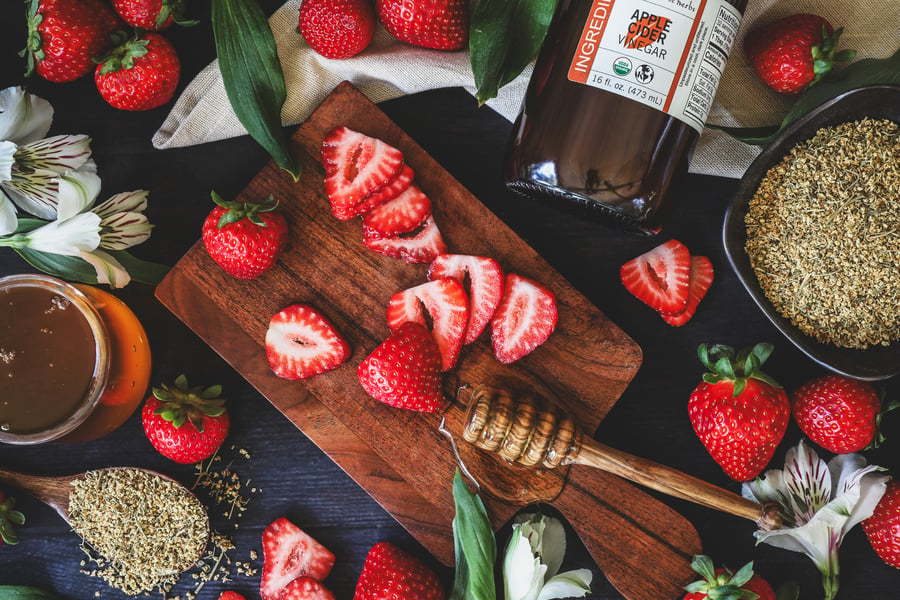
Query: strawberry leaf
{"type": "Point", "coordinates": [252, 74]}
{"type": "Point", "coordinates": [504, 37]}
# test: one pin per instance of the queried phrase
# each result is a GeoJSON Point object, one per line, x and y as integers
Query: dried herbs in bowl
{"type": "Point", "coordinates": [813, 233]}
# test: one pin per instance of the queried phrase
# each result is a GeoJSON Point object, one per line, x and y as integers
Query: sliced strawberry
{"type": "Point", "coordinates": [405, 370]}
{"type": "Point", "coordinates": [422, 245]}
{"type": "Point", "coordinates": [448, 309]}
{"type": "Point", "coordinates": [399, 215]}
{"type": "Point", "coordinates": [356, 166]}
{"type": "Point", "coordinates": [289, 553]}
{"type": "Point", "coordinates": [391, 190]}
{"type": "Point", "coordinates": [701, 279]}
{"type": "Point", "coordinates": [229, 595]}
{"type": "Point", "coordinates": [524, 319]}
{"type": "Point", "coordinates": [485, 278]}
{"type": "Point", "coordinates": [300, 343]}
{"type": "Point", "coordinates": [306, 588]}
{"type": "Point", "coordinates": [661, 278]}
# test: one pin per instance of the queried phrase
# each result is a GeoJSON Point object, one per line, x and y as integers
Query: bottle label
{"type": "Point", "coordinates": [667, 54]}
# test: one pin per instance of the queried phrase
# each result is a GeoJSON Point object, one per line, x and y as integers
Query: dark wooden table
{"type": "Point", "coordinates": [293, 477]}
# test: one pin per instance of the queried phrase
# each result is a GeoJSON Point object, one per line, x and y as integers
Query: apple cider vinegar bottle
{"type": "Point", "coordinates": [619, 96]}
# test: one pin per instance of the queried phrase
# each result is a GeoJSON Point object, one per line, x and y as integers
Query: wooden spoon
{"type": "Point", "coordinates": [55, 492]}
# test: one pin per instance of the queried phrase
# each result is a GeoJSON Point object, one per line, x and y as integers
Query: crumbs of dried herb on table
{"type": "Point", "coordinates": [823, 234]}
{"type": "Point", "coordinates": [145, 528]}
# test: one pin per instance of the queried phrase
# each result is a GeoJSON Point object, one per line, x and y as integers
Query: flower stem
{"type": "Point", "coordinates": [830, 572]}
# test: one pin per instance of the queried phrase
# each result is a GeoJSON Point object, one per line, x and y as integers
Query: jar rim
{"type": "Point", "coordinates": [100, 374]}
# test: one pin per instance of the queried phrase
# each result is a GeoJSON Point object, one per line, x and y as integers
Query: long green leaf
{"type": "Point", "coordinates": [25, 592]}
{"type": "Point", "coordinates": [476, 548]}
{"type": "Point", "coordinates": [252, 74]}
{"type": "Point", "coordinates": [72, 268]}
{"type": "Point", "coordinates": [504, 37]}
{"type": "Point", "coordinates": [869, 71]}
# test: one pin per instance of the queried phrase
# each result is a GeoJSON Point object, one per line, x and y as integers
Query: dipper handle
{"type": "Point", "coordinates": [523, 431]}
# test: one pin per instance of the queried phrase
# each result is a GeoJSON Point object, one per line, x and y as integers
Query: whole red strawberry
{"type": "Point", "coordinates": [838, 413]}
{"type": "Point", "coordinates": [739, 413]}
{"type": "Point", "coordinates": [883, 527]}
{"type": "Point", "coordinates": [337, 28]}
{"type": "Point", "coordinates": [389, 572]}
{"type": "Point", "coordinates": [140, 73]}
{"type": "Point", "coordinates": [152, 15]}
{"type": "Point", "coordinates": [723, 584]}
{"type": "Point", "coordinates": [245, 238]}
{"type": "Point", "coordinates": [9, 518]}
{"type": "Point", "coordinates": [437, 24]}
{"type": "Point", "coordinates": [794, 52]}
{"type": "Point", "coordinates": [65, 36]}
{"type": "Point", "coordinates": [186, 424]}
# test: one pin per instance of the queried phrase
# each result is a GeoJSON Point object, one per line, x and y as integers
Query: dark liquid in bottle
{"type": "Point", "coordinates": [610, 155]}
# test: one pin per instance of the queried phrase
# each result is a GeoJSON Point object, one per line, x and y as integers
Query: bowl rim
{"type": "Point", "coordinates": [733, 226]}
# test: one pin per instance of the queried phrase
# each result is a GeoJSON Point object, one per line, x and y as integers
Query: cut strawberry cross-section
{"type": "Point", "coordinates": [356, 166]}
{"type": "Point", "coordinates": [485, 278]}
{"type": "Point", "coordinates": [422, 245]}
{"type": "Point", "coordinates": [661, 277]}
{"type": "Point", "coordinates": [524, 319]}
{"type": "Point", "coordinates": [289, 553]}
{"type": "Point", "coordinates": [301, 343]}
{"type": "Point", "coordinates": [701, 279]}
{"type": "Point", "coordinates": [399, 215]}
{"type": "Point", "coordinates": [391, 190]}
{"type": "Point", "coordinates": [405, 370]}
{"type": "Point", "coordinates": [448, 308]}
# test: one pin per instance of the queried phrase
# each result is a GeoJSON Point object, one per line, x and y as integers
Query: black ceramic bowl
{"type": "Point", "coordinates": [880, 102]}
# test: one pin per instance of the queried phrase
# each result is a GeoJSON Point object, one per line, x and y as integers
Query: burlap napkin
{"type": "Point", "coordinates": [388, 69]}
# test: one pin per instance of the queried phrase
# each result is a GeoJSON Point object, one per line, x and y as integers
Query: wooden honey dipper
{"type": "Point", "coordinates": [521, 431]}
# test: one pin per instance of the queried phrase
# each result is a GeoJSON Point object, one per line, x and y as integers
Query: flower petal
{"type": "Point", "coordinates": [109, 270]}
{"type": "Point", "coordinates": [36, 193]}
{"type": "Point", "coordinates": [24, 117]}
{"type": "Point", "coordinates": [78, 190]}
{"type": "Point", "coordinates": [124, 230]}
{"type": "Point", "coordinates": [125, 202]}
{"type": "Point", "coordinates": [7, 159]}
{"type": "Point", "coordinates": [571, 584]}
{"type": "Point", "coordinates": [70, 237]}
{"type": "Point", "coordinates": [523, 574]}
{"type": "Point", "coordinates": [8, 219]}
{"type": "Point", "coordinates": [59, 153]}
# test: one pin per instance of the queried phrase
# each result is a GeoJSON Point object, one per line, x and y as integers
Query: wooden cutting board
{"type": "Point", "coordinates": [399, 456]}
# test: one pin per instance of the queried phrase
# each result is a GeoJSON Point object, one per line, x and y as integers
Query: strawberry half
{"type": "Point", "coordinates": [421, 245]}
{"type": "Point", "coordinates": [391, 190]}
{"type": "Point", "coordinates": [306, 588]}
{"type": "Point", "coordinates": [289, 553]}
{"type": "Point", "coordinates": [389, 572]}
{"type": "Point", "coordinates": [448, 309]}
{"type": "Point", "coordinates": [300, 343]}
{"type": "Point", "coordinates": [485, 278]}
{"type": "Point", "coordinates": [405, 370]}
{"type": "Point", "coordinates": [661, 278]}
{"type": "Point", "coordinates": [356, 166]}
{"type": "Point", "coordinates": [524, 319]}
{"type": "Point", "coordinates": [701, 278]}
{"type": "Point", "coordinates": [399, 215]}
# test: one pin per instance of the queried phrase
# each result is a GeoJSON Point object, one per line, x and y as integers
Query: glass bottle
{"type": "Point", "coordinates": [618, 98]}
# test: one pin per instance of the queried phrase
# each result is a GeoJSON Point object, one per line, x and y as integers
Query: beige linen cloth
{"type": "Point", "coordinates": [388, 69]}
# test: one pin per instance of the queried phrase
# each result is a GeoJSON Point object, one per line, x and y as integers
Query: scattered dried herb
{"type": "Point", "coordinates": [823, 234]}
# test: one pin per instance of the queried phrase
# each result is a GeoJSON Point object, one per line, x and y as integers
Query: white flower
{"type": "Point", "coordinates": [40, 175]}
{"type": "Point", "coordinates": [819, 504]}
{"type": "Point", "coordinates": [532, 561]}
{"type": "Point", "coordinates": [123, 223]}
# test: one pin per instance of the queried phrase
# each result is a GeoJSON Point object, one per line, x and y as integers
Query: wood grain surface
{"type": "Point", "coordinates": [398, 456]}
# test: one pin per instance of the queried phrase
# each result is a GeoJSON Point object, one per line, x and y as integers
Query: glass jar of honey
{"type": "Point", "coordinates": [74, 361]}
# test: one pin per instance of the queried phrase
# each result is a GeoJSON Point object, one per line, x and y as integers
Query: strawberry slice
{"type": "Point", "coordinates": [524, 319]}
{"type": "Point", "coordinates": [300, 343]}
{"type": "Point", "coordinates": [289, 553]}
{"type": "Point", "coordinates": [306, 588]}
{"type": "Point", "coordinates": [421, 245]}
{"type": "Point", "coordinates": [391, 190]}
{"type": "Point", "coordinates": [405, 370]}
{"type": "Point", "coordinates": [399, 215]}
{"type": "Point", "coordinates": [661, 278]}
{"type": "Point", "coordinates": [356, 166]}
{"type": "Point", "coordinates": [485, 279]}
{"type": "Point", "coordinates": [448, 308]}
{"type": "Point", "coordinates": [701, 279]}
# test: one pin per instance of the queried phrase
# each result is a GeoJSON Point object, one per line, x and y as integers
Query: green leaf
{"type": "Point", "coordinates": [504, 37]}
{"type": "Point", "coordinates": [476, 548]}
{"type": "Point", "coordinates": [25, 592]}
{"type": "Point", "coordinates": [252, 74]}
{"type": "Point", "coordinates": [869, 71]}
{"type": "Point", "coordinates": [70, 268]}
{"type": "Point", "coordinates": [142, 271]}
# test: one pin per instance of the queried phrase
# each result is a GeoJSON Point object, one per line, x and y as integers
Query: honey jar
{"type": "Point", "coordinates": [74, 361]}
